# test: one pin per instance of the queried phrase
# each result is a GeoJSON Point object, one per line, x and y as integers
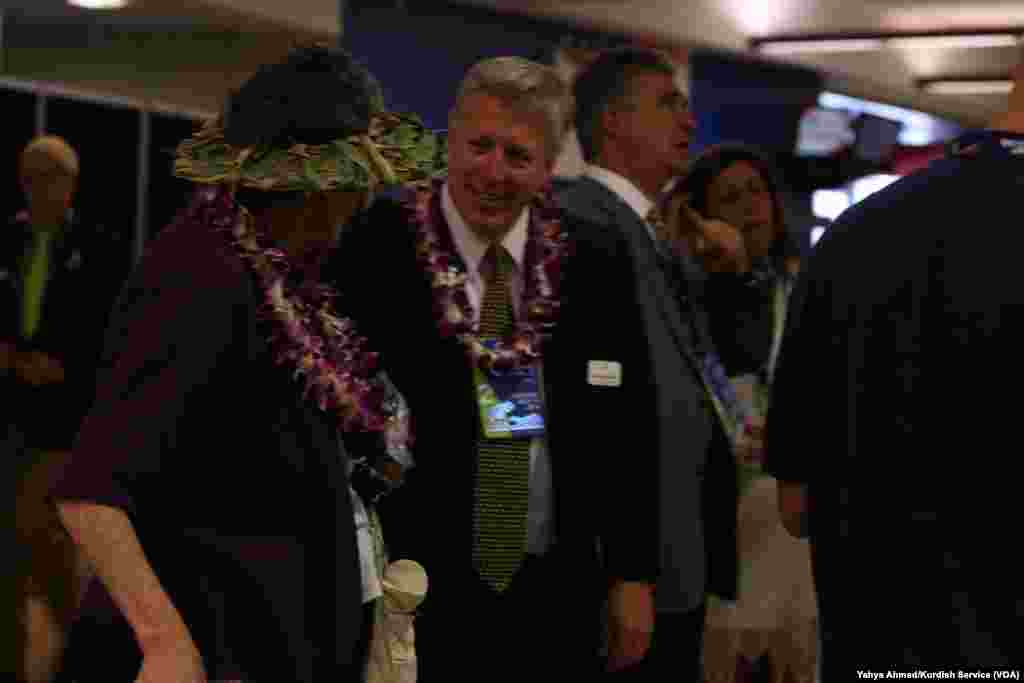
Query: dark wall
{"type": "Point", "coordinates": [740, 99]}
{"type": "Point", "coordinates": [107, 141]}
{"type": "Point", "coordinates": [421, 50]}
{"type": "Point", "coordinates": [167, 194]}
{"type": "Point", "coordinates": [19, 110]}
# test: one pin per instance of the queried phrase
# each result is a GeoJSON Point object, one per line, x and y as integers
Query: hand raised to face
{"type": "Point", "coordinates": [717, 245]}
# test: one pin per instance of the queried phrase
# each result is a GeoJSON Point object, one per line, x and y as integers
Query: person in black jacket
{"type": "Point", "coordinates": [58, 279]}
{"type": "Point", "coordinates": [57, 286]}
{"type": "Point", "coordinates": [419, 277]}
{"type": "Point", "coordinates": [890, 431]}
{"type": "Point", "coordinates": [210, 485]}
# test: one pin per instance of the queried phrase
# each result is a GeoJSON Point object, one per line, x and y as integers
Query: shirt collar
{"type": "Point", "coordinates": [470, 246]}
{"type": "Point", "coordinates": [623, 188]}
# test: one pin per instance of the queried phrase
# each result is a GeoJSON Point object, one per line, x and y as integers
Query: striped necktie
{"type": "Point", "coordinates": [501, 498]}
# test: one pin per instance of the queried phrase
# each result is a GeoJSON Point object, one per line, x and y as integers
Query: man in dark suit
{"type": "Point", "coordinates": [58, 280]}
{"type": "Point", "coordinates": [893, 449]}
{"type": "Point", "coordinates": [634, 128]}
{"type": "Point", "coordinates": [57, 284]}
{"type": "Point", "coordinates": [578, 483]}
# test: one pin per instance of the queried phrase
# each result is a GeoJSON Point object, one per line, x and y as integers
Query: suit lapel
{"type": "Point", "coordinates": [649, 266]}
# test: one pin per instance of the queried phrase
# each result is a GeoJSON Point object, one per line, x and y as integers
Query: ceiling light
{"type": "Point", "coordinates": [817, 232]}
{"type": "Point", "coordinates": [829, 204]}
{"type": "Point", "coordinates": [100, 4]}
{"type": "Point", "coordinates": [864, 187]}
{"type": "Point", "coordinates": [788, 45]}
{"type": "Point", "coordinates": [991, 87]}
{"type": "Point", "coordinates": [855, 105]}
{"type": "Point", "coordinates": [791, 47]}
{"type": "Point", "coordinates": [954, 42]}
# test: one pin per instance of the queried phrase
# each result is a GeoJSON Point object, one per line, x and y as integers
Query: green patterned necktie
{"type": "Point", "coordinates": [503, 465]}
{"type": "Point", "coordinates": [34, 277]}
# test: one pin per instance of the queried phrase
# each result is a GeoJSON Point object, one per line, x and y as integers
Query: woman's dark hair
{"type": "Point", "coordinates": [712, 163]}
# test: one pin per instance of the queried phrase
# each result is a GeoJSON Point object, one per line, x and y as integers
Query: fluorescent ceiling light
{"type": "Point", "coordinates": [908, 117]}
{"type": "Point", "coordinates": [919, 136]}
{"type": "Point", "coordinates": [816, 233]}
{"type": "Point", "coordinates": [993, 87]}
{"type": "Point", "coordinates": [954, 42]}
{"type": "Point", "coordinates": [918, 128]}
{"type": "Point", "coordinates": [792, 47]}
{"type": "Point", "coordinates": [862, 188]}
{"type": "Point", "coordinates": [100, 4]}
{"type": "Point", "coordinates": [829, 204]}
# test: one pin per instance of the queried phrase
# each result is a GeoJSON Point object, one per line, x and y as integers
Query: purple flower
{"type": "Point", "coordinates": [546, 248]}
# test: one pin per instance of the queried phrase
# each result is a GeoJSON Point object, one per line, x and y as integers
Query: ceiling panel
{"type": "Point", "coordinates": [169, 54]}
{"type": "Point", "coordinates": [890, 75]}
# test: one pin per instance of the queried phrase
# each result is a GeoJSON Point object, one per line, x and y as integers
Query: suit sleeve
{"type": "Point", "coordinates": [797, 423]}
{"type": "Point", "coordinates": [171, 327]}
{"type": "Point", "coordinates": [615, 426]}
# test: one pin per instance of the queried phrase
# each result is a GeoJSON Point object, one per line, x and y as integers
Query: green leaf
{"type": "Point", "coordinates": [206, 152]}
{"type": "Point", "coordinates": [404, 135]}
{"type": "Point", "coordinates": [344, 171]}
{"type": "Point", "coordinates": [310, 176]}
{"type": "Point", "coordinates": [360, 175]}
{"type": "Point", "coordinates": [344, 148]}
{"type": "Point", "coordinates": [353, 154]}
{"type": "Point", "coordinates": [263, 165]}
{"type": "Point", "coordinates": [425, 150]}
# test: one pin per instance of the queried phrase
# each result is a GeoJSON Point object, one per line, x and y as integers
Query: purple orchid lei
{"type": "Point", "coordinates": [339, 374]}
{"type": "Point", "coordinates": [546, 249]}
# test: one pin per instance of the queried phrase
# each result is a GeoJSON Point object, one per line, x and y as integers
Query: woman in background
{"type": "Point", "coordinates": [776, 611]}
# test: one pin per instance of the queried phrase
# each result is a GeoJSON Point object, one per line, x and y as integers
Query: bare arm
{"type": "Point", "coordinates": [107, 538]}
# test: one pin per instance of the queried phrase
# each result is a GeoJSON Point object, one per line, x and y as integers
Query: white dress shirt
{"type": "Point", "coordinates": [625, 190]}
{"type": "Point", "coordinates": [472, 248]}
{"type": "Point", "coordinates": [371, 573]}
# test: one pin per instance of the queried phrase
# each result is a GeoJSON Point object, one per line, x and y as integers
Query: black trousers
{"type": "Point", "coordinates": [545, 625]}
{"type": "Point", "coordinates": [675, 653]}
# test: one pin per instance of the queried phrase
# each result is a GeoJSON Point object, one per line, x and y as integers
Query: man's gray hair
{"type": "Point", "coordinates": [522, 85]}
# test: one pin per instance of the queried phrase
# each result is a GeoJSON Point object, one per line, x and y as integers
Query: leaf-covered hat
{"type": "Point", "coordinates": [314, 122]}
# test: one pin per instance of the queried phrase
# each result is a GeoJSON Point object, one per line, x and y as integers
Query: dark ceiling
{"type": "Point", "coordinates": [172, 53]}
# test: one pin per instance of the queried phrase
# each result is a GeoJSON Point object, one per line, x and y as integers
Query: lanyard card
{"type": "Point", "coordinates": [511, 401]}
{"type": "Point", "coordinates": [723, 395]}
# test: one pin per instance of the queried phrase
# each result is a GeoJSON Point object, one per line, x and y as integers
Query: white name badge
{"type": "Point", "coordinates": [604, 373]}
